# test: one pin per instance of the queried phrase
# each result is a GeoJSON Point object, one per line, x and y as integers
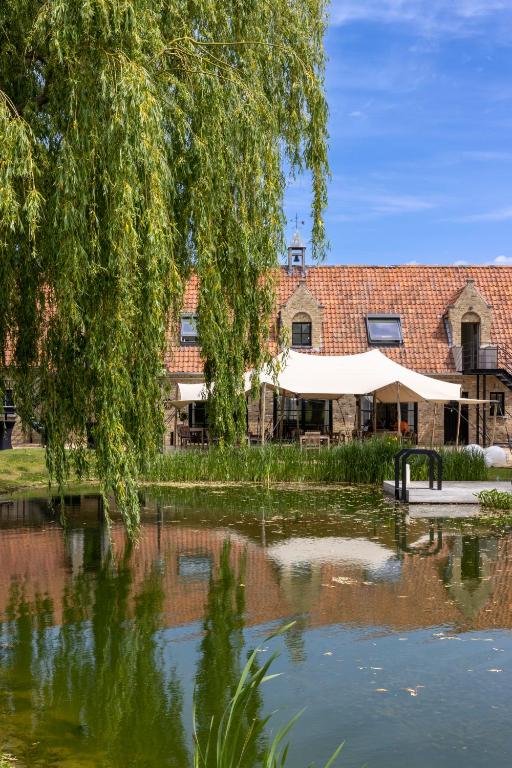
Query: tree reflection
{"type": "Point", "coordinates": [97, 686]}
{"type": "Point", "coordinates": [221, 657]}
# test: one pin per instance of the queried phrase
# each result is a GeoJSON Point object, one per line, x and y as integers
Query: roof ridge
{"type": "Point", "coordinates": [461, 267]}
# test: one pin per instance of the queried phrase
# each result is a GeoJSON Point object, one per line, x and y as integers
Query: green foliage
{"type": "Point", "coordinates": [228, 743]}
{"type": "Point", "coordinates": [142, 139]}
{"type": "Point", "coordinates": [494, 499]}
{"type": "Point", "coordinates": [6, 761]}
{"type": "Point", "coordinates": [369, 462]}
{"type": "Point", "coordinates": [457, 465]}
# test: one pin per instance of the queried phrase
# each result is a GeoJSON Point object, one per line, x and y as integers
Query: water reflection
{"type": "Point", "coordinates": [221, 656]}
{"type": "Point", "coordinates": [90, 683]}
{"type": "Point", "coordinates": [91, 672]}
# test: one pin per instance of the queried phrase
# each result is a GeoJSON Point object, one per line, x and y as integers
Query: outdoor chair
{"type": "Point", "coordinates": [184, 436]}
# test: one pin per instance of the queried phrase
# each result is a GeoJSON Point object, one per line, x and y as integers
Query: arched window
{"type": "Point", "coordinates": [301, 330]}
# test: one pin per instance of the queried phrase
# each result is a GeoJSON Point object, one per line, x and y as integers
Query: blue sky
{"type": "Point", "coordinates": [420, 100]}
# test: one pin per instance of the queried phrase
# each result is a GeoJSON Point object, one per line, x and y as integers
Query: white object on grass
{"type": "Point", "coordinates": [495, 456]}
{"type": "Point", "coordinates": [473, 448]}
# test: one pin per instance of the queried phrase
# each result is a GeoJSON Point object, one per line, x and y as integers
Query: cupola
{"type": "Point", "coordinates": [297, 253]}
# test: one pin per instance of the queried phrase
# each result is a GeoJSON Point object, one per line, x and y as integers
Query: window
{"type": "Point", "coordinates": [9, 407]}
{"type": "Point", "coordinates": [385, 330]}
{"type": "Point", "coordinates": [499, 405]}
{"type": "Point", "coordinates": [195, 566]}
{"type": "Point", "coordinates": [308, 415]}
{"type": "Point", "coordinates": [386, 415]}
{"type": "Point", "coordinates": [188, 332]}
{"type": "Point", "coordinates": [301, 334]}
{"type": "Point", "coordinates": [197, 414]}
{"type": "Point", "coordinates": [366, 405]}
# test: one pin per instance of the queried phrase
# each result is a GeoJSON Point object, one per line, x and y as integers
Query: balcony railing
{"type": "Point", "coordinates": [486, 358]}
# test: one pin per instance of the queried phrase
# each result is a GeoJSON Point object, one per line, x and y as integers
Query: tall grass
{"type": "Point", "coordinates": [368, 462]}
{"type": "Point", "coordinates": [228, 743]}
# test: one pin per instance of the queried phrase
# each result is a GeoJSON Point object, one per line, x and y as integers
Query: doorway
{"type": "Point", "coordinates": [450, 423]}
{"type": "Point", "coordinates": [470, 340]}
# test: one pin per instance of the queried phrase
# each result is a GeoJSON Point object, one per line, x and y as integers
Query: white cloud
{"type": "Point", "coordinates": [502, 261]}
{"type": "Point", "coordinates": [389, 204]}
{"type": "Point", "coordinates": [350, 202]}
{"type": "Point", "coordinates": [485, 156]}
{"type": "Point", "coordinates": [499, 261]}
{"type": "Point", "coordinates": [429, 17]}
{"type": "Point", "coordinates": [499, 214]}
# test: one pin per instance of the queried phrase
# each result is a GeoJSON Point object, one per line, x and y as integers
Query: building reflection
{"type": "Point", "coordinates": [448, 576]}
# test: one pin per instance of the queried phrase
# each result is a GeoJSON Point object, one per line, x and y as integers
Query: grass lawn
{"type": "Point", "coordinates": [22, 468]}
{"type": "Point", "coordinates": [498, 473]}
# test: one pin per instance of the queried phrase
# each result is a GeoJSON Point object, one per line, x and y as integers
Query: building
{"type": "Point", "coordinates": [452, 322]}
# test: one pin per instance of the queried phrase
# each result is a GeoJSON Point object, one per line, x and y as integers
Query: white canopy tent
{"type": "Point", "coordinates": [189, 393]}
{"type": "Point", "coordinates": [329, 377]}
{"type": "Point", "coordinates": [196, 392]}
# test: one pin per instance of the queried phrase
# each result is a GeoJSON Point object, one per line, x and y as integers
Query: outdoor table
{"type": "Point", "coordinates": [314, 441]}
{"type": "Point", "coordinates": [200, 432]}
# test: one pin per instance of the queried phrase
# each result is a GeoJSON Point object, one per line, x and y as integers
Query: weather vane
{"type": "Point", "coordinates": [297, 222]}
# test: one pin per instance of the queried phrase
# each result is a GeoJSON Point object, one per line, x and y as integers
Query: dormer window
{"type": "Point", "coordinates": [301, 332]}
{"type": "Point", "coordinates": [188, 330]}
{"type": "Point", "coordinates": [384, 330]}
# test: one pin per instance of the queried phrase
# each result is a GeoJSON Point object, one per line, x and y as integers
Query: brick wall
{"type": "Point", "coordinates": [470, 307]}
{"type": "Point", "coordinates": [302, 306]}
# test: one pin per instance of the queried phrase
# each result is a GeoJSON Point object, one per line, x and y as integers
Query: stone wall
{"type": "Point", "coordinates": [24, 435]}
{"type": "Point", "coordinates": [469, 387]}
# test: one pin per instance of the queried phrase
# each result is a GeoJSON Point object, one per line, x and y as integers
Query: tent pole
{"type": "Point", "coordinates": [458, 426]}
{"type": "Point", "coordinates": [374, 414]}
{"type": "Point", "coordinates": [433, 426]}
{"type": "Point", "coordinates": [281, 420]}
{"type": "Point", "coordinates": [262, 403]}
{"type": "Point", "coordinates": [398, 410]}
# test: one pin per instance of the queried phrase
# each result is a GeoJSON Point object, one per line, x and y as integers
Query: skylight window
{"type": "Point", "coordinates": [188, 332]}
{"type": "Point", "coordinates": [385, 330]}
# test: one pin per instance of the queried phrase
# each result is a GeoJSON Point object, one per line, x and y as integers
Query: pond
{"type": "Point", "coordinates": [401, 645]}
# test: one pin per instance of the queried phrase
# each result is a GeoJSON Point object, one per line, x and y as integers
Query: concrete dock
{"type": "Point", "coordinates": [453, 491]}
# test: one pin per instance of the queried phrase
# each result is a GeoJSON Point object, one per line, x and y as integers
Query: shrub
{"type": "Point", "coordinates": [494, 499]}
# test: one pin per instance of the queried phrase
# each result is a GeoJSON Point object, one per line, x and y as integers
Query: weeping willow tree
{"type": "Point", "coordinates": [141, 140]}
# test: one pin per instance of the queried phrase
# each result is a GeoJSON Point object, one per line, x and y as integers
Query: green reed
{"type": "Point", "coordinates": [359, 462]}
{"type": "Point", "coordinates": [227, 743]}
{"type": "Point", "coordinates": [494, 499]}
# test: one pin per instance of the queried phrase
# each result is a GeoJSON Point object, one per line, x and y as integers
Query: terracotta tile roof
{"type": "Point", "coordinates": [421, 295]}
